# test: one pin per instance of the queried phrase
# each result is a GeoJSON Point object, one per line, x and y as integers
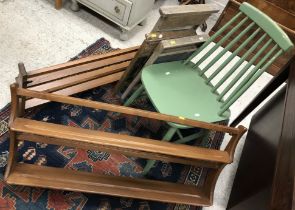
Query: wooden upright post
{"type": "Point", "coordinates": [22, 80]}
{"type": "Point", "coordinates": [12, 158]}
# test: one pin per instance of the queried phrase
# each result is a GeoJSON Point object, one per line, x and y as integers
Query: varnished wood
{"type": "Point", "coordinates": [78, 88]}
{"type": "Point", "coordinates": [58, 4]}
{"type": "Point", "coordinates": [54, 178]}
{"type": "Point", "coordinates": [88, 59]}
{"type": "Point", "coordinates": [117, 141]}
{"type": "Point", "coordinates": [12, 158]}
{"type": "Point", "coordinates": [231, 146]}
{"type": "Point", "coordinates": [125, 110]}
{"type": "Point", "coordinates": [79, 69]}
{"type": "Point", "coordinates": [22, 80]}
{"type": "Point", "coordinates": [103, 143]}
{"type": "Point", "coordinates": [127, 152]}
{"type": "Point", "coordinates": [12, 141]}
{"type": "Point", "coordinates": [15, 112]}
{"type": "Point", "coordinates": [74, 76]}
{"type": "Point", "coordinates": [40, 176]}
{"type": "Point", "coordinates": [213, 174]}
{"type": "Point", "coordinates": [80, 78]}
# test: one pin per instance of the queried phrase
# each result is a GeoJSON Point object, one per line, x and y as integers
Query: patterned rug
{"type": "Point", "coordinates": [19, 197]}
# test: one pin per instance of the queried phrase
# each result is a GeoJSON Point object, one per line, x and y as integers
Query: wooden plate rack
{"type": "Point", "coordinates": [59, 178]}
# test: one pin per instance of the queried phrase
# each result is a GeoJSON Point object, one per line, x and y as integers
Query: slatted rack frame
{"type": "Point", "coordinates": [58, 178]}
{"type": "Point", "coordinates": [75, 76]}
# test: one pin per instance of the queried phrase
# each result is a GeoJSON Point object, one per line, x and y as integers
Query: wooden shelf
{"type": "Point", "coordinates": [59, 178]}
{"type": "Point", "coordinates": [109, 142]}
{"type": "Point", "coordinates": [66, 179]}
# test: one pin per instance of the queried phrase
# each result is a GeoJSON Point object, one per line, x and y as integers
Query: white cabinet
{"type": "Point", "coordinates": [125, 13]}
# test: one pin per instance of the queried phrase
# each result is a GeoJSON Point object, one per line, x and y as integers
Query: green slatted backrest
{"type": "Point", "coordinates": [272, 43]}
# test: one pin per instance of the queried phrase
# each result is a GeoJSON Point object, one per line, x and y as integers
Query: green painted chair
{"type": "Point", "coordinates": [181, 88]}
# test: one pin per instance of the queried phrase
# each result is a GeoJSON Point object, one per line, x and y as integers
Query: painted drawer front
{"type": "Point", "coordinates": [118, 10]}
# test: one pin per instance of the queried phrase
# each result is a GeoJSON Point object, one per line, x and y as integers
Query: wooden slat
{"type": "Point", "coordinates": [125, 110]}
{"type": "Point", "coordinates": [80, 78]}
{"type": "Point", "coordinates": [184, 41]}
{"type": "Point", "coordinates": [157, 36]}
{"type": "Point", "coordinates": [177, 19]}
{"type": "Point", "coordinates": [77, 88]}
{"type": "Point", "coordinates": [81, 61]}
{"type": "Point", "coordinates": [279, 16]}
{"type": "Point", "coordinates": [219, 43]}
{"type": "Point", "coordinates": [270, 87]}
{"type": "Point", "coordinates": [110, 140]}
{"type": "Point", "coordinates": [56, 178]}
{"type": "Point", "coordinates": [114, 150]}
{"type": "Point", "coordinates": [82, 68]}
{"type": "Point", "coordinates": [188, 10]}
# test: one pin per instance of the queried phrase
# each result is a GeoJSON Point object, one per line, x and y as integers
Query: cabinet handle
{"type": "Point", "coordinates": [117, 9]}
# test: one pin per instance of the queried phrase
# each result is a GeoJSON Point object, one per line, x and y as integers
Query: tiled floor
{"type": "Point", "coordinates": [34, 32]}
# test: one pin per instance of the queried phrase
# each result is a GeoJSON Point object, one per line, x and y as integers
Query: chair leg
{"type": "Point", "coordinates": [128, 90]}
{"type": "Point", "coordinates": [179, 134]}
{"type": "Point", "coordinates": [190, 137]}
{"type": "Point", "coordinates": [134, 96]}
{"type": "Point", "coordinates": [150, 163]}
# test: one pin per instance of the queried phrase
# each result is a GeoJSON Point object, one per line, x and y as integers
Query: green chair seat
{"type": "Point", "coordinates": [177, 89]}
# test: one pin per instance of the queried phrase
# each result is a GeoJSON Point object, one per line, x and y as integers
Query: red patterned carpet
{"type": "Point", "coordinates": [19, 197]}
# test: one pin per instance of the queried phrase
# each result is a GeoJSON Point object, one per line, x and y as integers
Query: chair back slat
{"type": "Point", "coordinates": [238, 63]}
{"type": "Point", "coordinates": [249, 83]}
{"type": "Point", "coordinates": [226, 49]}
{"type": "Point", "coordinates": [237, 78]}
{"type": "Point", "coordinates": [223, 28]}
{"type": "Point", "coordinates": [218, 44]}
{"type": "Point", "coordinates": [268, 25]}
{"type": "Point", "coordinates": [246, 67]}
{"type": "Point", "coordinates": [250, 74]}
{"type": "Point", "coordinates": [230, 58]}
